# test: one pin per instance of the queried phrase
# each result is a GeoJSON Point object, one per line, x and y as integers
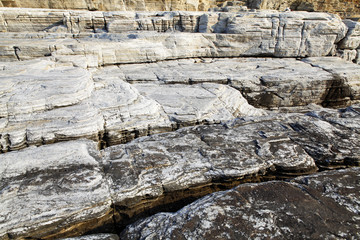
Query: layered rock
{"type": "Point", "coordinates": [104, 93]}
{"type": "Point", "coordinates": [346, 9]}
{"type": "Point", "coordinates": [264, 82]}
{"type": "Point", "coordinates": [115, 5]}
{"type": "Point", "coordinates": [71, 188]}
{"type": "Point", "coordinates": [49, 101]}
{"type": "Point", "coordinates": [52, 190]}
{"type": "Point", "coordinates": [265, 33]}
{"type": "Point", "coordinates": [324, 205]}
{"type": "Point", "coordinates": [59, 102]}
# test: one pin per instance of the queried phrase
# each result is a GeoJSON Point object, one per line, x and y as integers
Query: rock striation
{"type": "Point", "coordinates": [264, 33]}
{"type": "Point", "coordinates": [324, 205]}
{"type": "Point", "coordinates": [114, 5]}
{"type": "Point", "coordinates": [346, 9]}
{"type": "Point", "coordinates": [85, 189]}
{"type": "Point", "coordinates": [110, 117]}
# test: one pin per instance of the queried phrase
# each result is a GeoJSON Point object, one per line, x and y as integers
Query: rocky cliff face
{"type": "Point", "coordinates": [110, 117]}
{"type": "Point", "coordinates": [115, 5]}
{"type": "Point", "coordinates": [346, 9]}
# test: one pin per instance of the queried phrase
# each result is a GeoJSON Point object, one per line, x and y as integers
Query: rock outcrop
{"type": "Point", "coordinates": [346, 9]}
{"type": "Point", "coordinates": [109, 117]}
{"type": "Point", "coordinates": [319, 206]}
{"type": "Point", "coordinates": [71, 188]}
{"type": "Point", "coordinates": [114, 5]}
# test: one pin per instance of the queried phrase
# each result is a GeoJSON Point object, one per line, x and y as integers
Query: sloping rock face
{"type": "Point", "coordinates": [320, 206]}
{"type": "Point", "coordinates": [109, 117]}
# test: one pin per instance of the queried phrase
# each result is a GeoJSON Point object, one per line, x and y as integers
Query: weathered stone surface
{"type": "Point", "coordinates": [70, 188]}
{"type": "Point", "coordinates": [346, 9]}
{"type": "Point", "coordinates": [48, 102]}
{"type": "Point", "coordinates": [324, 205]}
{"type": "Point", "coordinates": [112, 77]}
{"type": "Point", "coordinates": [251, 148]}
{"type": "Point", "coordinates": [264, 33]}
{"type": "Point", "coordinates": [96, 237]}
{"type": "Point", "coordinates": [115, 5]}
{"type": "Point", "coordinates": [54, 190]}
{"type": "Point", "coordinates": [346, 85]}
{"type": "Point", "coordinates": [206, 102]}
{"type": "Point", "coordinates": [264, 82]}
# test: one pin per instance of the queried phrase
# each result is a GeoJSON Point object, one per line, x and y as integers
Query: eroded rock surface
{"type": "Point", "coordinates": [324, 205]}
{"type": "Point", "coordinates": [85, 189]}
{"type": "Point", "coordinates": [141, 112]}
{"type": "Point", "coordinates": [264, 33]}
{"type": "Point", "coordinates": [52, 190]}
{"type": "Point", "coordinates": [58, 102]}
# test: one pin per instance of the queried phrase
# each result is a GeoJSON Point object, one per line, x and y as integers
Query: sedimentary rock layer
{"type": "Point", "coordinates": [320, 206]}
{"type": "Point", "coordinates": [90, 101]}
{"type": "Point", "coordinates": [50, 100]}
{"type": "Point", "coordinates": [346, 9]}
{"type": "Point", "coordinates": [70, 188]}
{"type": "Point", "coordinates": [114, 5]}
{"type": "Point", "coordinates": [264, 33]}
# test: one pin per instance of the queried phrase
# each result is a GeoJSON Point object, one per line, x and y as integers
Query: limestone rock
{"type": "Point", "coordinates": [324, 205]}
{"type": "Point", "coordinates": [71, 188]}
{"type": "Point", "coordinates": [115, 5]}
{"type": "Point", "coordinates": [346, 85]}
{"type": "Point", "coordinates": [210, 103]}
{"type": "Point", "coordinates": [267, 147]}
{"type": "Point", "coordinates": [346, 9]}
{"type": "Point", "coordinates": [64, 102]}
{"type": "Point", "coordinates": [352, 39]}
{"type": "Point", "coordinates": [54, 190]}
{"type": "Point", "coordinates": [264, 33]}
{"type": "Point", "coordinates": [264, 82]}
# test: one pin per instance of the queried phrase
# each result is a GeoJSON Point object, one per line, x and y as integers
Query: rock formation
{"type": "Point", "coordinates": [346, 8]}
{"type": "Point", "coordinates": [321, 206]}
{"type": "Point", "coordinates": [110, 117]}
{"type": "Point", "coordinates": [71, 188]}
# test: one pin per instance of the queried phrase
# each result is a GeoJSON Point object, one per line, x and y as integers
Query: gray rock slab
{"type": "Point", "coordinates": [52, 190]}
{"type": "Point", "coordinates": [324, 205]}
{"type": "Point", "coordinates": [71, 188]}
{"type": "Point", "coordinates": [347, 84]}
{"type": "Point", "coordinates": [47, 102]}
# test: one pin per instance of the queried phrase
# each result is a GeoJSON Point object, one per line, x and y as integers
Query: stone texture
{"type": "Point", "coordinates": [264, 82]}
{"type": "Point", "coordinates": [346, 9]}
{"type": "Point", "coordinates": [115, 5]}
{"type": "Point", "coordinates": [72, 188]}
{"type": "Point", "coordinates": [48, 102]}
{"type": "Point", "coordinates": [103, 236]}
{"type": "Point", "coordinates": [264, 33]}
{"type": "Point", "coordinates": [202, 158]}
{"type": "Point", "coordinates": [346, 85]}
{"type": "Point", "coordinates": [51, 191]}
{"type": "Point", "coordinates": [79, 82]}
{"type": "Point", "coordinates": [324, 205]}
